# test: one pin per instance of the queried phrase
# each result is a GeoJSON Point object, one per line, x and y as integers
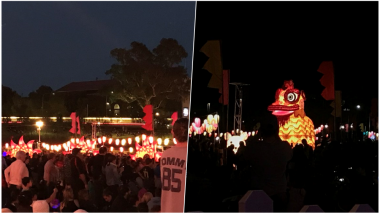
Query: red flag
{"type": "Point", "coordinates": [148, 118]}
{"type": "Point", "coordinates": [225, 90]}
{"type": "Point", "coordinates": [81, 140]}
{"type": "Point", "coordinates": [174, 117]}
{"type": "Point", "coordinates": [73, 125]}
{"type": "Point", "coordinates": [78, 125]}
{"type": "Point", "coordinates": [327, 80]}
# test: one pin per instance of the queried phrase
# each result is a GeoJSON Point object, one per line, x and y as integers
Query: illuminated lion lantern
{"type": "Point", "coordinates": [289, 110]}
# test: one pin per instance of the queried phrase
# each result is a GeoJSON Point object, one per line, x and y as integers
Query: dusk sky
{"type": "Point", "coordinates": [55, 43]}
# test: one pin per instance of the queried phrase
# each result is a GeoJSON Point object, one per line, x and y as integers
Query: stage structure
{"type": "Point", "coordinates": [238, 112]}
{"type": "Point", "coordinates": [294, 125]}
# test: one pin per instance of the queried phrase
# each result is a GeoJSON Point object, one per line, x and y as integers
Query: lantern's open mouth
{"type": "Point", "coordinates": [282, 113]}
{"type": "Point", "coordinates": [281, 110]}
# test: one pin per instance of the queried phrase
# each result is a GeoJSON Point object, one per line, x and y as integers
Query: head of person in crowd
{"type": "Point", "coordinates": [111, 159]}
{"type": "Point", "coordinates": [80, 211]}
{"type": "Point", "coordinates": [146, 197]}
{"type": "Point", "coordinates": [102, 150]}
{"type": "Point", "coordinates": [142, 208]}
{"type": "Point", "coordinates": [25, 199]}
{"type": "Point", "coordinates": [20, 155]}
{"type": "Point", "coordinates": [6, 210]}
{"type": "Point", "coordinates": [76, 152]}
{"type": "Point", "coordinates": [41, 206]}
{"type": "Point", "coordinates": [180, 130]}
{"type": "Point", "coordinates": [68, 195]}
{"type": "Point", "coordinates": [149, 162]}
{"type": "Point", "coordinates": [107, 194]}
{"type": "Point", "coordinates": [26, 183]}
{"type": "Point", "coordinates": [83, 195]}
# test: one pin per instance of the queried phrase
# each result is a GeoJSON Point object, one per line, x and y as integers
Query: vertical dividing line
{"type": "Point", "coordinates": [191, 86]}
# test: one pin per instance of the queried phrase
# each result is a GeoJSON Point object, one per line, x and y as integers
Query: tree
{"type": "Point", "coordinates": [150, 77]}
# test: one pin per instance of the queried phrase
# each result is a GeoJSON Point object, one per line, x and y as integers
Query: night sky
{"type": "Point", "coordinates": [265, 43]}
{"type": "Point", "coordinates": [55, 43]}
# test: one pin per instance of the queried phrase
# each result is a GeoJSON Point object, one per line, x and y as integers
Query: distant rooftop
{"type": "Point", "coordinates": [86, 86]}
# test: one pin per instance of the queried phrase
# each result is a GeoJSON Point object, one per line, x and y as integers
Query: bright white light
{"type": "Point", "coordinates": [217, 138]}
{"type": "Point", "coordinates": [129, 141]}
{"type": "Point", "coordinates": [121, 149]}
{"type": "Point", "coordinates": [174, 141]}
{"type": "Point", "coordinates": [150, 139]}
{"type": "Point", "coordinates": [137, 139]}
{"type": "Point", "coordinates": [130, 149]}
{"type": "Point", "coordinates": [159, 141]}
{"type": "Point", "coordinates": [185, 112]}
{"type": "Point", "coordinates": [123, 142]}
{"type": "Point", "coordinates": [166, 142]}
{"type": "Point", "coordinates": [157, 114]}
{"type": "Point", "coordinates": [6, 145]}
{"type": "Point", "coordinates": [39, 124]}
{"type": "Point", "coordinates": [143, 137]}
{"type": "Point", "coordinates": [326, 126]}
{"type": "Point", "coordinates": [110, 140]}
{"type": "Point", "coordinates": [111, 148]}
{"type": "Point", "coordinates": [358, 106]}
{"type": "Point", "coordinates": [117, 141]}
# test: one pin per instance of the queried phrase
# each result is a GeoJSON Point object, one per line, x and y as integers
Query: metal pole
{"type": "Point", "coordinates": [39, 134]}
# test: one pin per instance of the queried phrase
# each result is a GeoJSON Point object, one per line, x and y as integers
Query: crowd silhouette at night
{"type": "Point", "coordinates": [335, 175]}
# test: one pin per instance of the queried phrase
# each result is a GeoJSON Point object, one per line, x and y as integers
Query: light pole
{"type": "Point", "coordinates": [39, 125]}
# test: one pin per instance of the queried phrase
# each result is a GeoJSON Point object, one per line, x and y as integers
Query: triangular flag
{"type": "Point", "coordinates": [21, 141]}
{"type": "Point", "coordinates": [81, 140]}
{"type": "Point", "coordinates": [30, 144]}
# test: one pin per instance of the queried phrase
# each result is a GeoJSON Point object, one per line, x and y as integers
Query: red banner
{"type": "Point", "coordinates": [148, 118]}
{"type": "Point", "coordinates": [73, 125]}
{"type": "Point", "coordinates": [327, 80]}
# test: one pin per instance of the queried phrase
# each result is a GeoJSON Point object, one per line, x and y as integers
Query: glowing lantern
{"type": "Point", "coordinates": [204, 133]}
{"type": "Point", "coordinates": [197, 122]}
{"type": "Point", "coordinates": [121, 149]}
{"type": "Point", "coordinates": [6, 145]}
{"type": "Point", "coordinates": [216, 134]}
{"type": "Point", "coordinates": [77, 140]}
{"type": "Point", "coordinates": [104, 139]}
{"type": "Point", "coordinates": [123, 142]}
{"type": "Point", "coordinates": [129, 141]}
{"type": "Point", "coordinates": [143, 137]}
{"type": "Point", "coordinates": [130, 149]}
{"type": "Point", "coordinates": [159, 141]}
{"type": "Point", "coordinates": [88, 142]}
{"type": "Point", "coordinates": [166, 141]}
{"type": "Point", "coordinates": [137, 139]}
{"type": "Point", "coordinates": [150, 139]}
{"type": "Point", "coordinates": [209, 118]}
{"type": "Point", "coordinates": [110, 141]}
{"type": "Point", "coordinates": [72, 140]}
{"type": "Point", "coordinates": [221, 135]}
{"type": "Point", "coordinates": [117, 141]}
{"type": "Point", "coordinates": [289, 110]}
{"type": "Point", "coordinates": [174, 141]}
{"type": "Point", "coordinates": [111, 148]}
{"type": "Point", "coordinates": [249, 133]}
{"type": "Point", "coordinates": [99, 140]}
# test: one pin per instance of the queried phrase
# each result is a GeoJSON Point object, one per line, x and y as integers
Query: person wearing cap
{"type": "Point", "coordinates": [173, 170]}
{"type": "Point", "coordinates": [78, 172]}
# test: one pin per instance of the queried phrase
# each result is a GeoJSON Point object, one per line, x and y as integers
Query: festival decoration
{"type": "Point", "coordinates": [146, 148]}
{"type": "Point", "coordinates": [27, 148]}
{"type": "Point", "coordinates": [289, 110]}
{"type": "Point", "coordinates": [236, 139]}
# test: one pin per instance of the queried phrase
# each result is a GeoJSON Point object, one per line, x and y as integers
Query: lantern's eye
{"type": "Point", "coordinates": [292, 97]}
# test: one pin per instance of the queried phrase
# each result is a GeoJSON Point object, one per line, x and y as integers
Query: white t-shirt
{"type": "Point", "coordinates": [173, 178]}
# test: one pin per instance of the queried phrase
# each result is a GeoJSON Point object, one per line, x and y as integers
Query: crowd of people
{"type": "Point", "coordinates": [77, 182]}
{"type": "Point", "coordinates": [335, 175]}
{"type": "Point", "coordinates": [82, 182]}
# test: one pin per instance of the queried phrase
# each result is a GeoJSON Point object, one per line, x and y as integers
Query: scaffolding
{"type": "Point", "coordinates": [238, 112]}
